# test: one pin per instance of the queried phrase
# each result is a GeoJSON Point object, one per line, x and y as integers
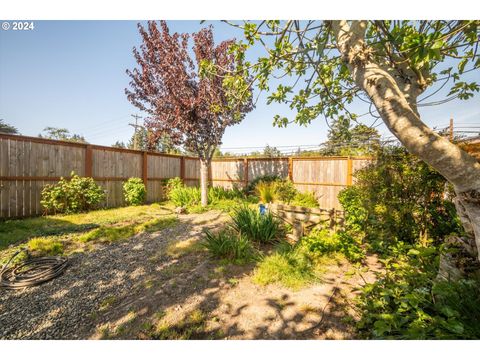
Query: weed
{"type": "Point", "coordinates": [107, 302]}
{"type": "Point", "coordinates": [45, 246]}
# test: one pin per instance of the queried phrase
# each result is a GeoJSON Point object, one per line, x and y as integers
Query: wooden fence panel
{"type": "Point", "coordinates": [274, 166]}
{"type": "Point", "coordinates": [27, 164]}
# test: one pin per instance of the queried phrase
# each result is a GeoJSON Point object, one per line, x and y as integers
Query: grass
{"type": "Point", "coordinates": [192, 326]}
{"type": "Point", "coordinates": [63, 235]}
{"type": "Point", "coordinates": [231, 246]}
{"type": "Point", "coordinates": [17, 231]}
{"type": "Point", "coordinates": [45, 246]}
{"type": "Point", "coordinates": [293, 266]}
{"type": "Point", "coordinates": [181, 248]}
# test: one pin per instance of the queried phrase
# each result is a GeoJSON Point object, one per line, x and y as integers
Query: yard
{"type": "Point", "coordinates": [143, 273]}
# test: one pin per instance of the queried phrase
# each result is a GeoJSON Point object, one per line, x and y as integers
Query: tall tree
{"type": "Point", "coordinates": [271, 151]}
{"type": "Point", "coordinates": [186, 98]}
{"type": "Point", "coordinates": [389, 65]}
{"type": "Point", "coordinates": [6, 128]}
{"type": "Point", "coordinates": [61, 134]}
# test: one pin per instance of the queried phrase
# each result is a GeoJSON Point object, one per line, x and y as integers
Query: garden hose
{"type": "Point", "coordinates": [31, 272]}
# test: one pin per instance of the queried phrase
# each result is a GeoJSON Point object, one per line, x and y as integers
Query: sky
{"type": "Point", "coordinates": [71, 74]}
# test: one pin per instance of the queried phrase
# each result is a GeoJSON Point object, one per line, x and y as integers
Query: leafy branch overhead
{"type": "Point", "coordinates": [317, 82]}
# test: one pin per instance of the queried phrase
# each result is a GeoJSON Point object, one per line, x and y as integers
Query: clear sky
{"type": "Point", "coordinates": [71, 74]}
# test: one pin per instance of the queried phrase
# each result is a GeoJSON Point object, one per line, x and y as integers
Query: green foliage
{"type": "Point", "coordinates": [185, 196]}
{"type": "Point", "coordinates": [266, 179]}
{"type": "Point", "coordinates": [45, 246]}
{"type": "Point", "coordinates": [407, 304]}
{"type": "Point", "coordinates": [229, 245]}
{"type": "Point", "coordinates": [61, 134]}
{"type": "Point", "coordinates": [134, 191]}
{"type": "Point", "coordinates": [71, 196]}
{"type": "Point", "coordinates": [306, 199]}
{"type": "Point", "coordinates": [323, 242]}
{"type": "Point", "coordinates": [398, 198]}
{"type": "Point", "coordinates": [219, 193]}
{"type": "Point", "coordinates": [294, 266]}
{"type": "Point", "coordinates": [266, 191]}
{"type": "Point", "coordinates": [285, 191]}
{"type": "Point", "coordinates": [7, 128]}
{"type": "Point", "coordinates": [256, 227]}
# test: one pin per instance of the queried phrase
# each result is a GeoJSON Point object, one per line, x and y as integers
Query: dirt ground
{"type": "Point", "coordinates": [164, 286]}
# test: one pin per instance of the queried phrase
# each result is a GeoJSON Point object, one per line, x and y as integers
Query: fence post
{"type": "Point", "coordinates": [88, 161]}
{"type": "Point", "coordinates": [245, 171]}
{"type": "Point", "coordinates": [349, 171]}
{"type": "Point", "coordinates": [290, 169]}
{"type": "Point", "coordinates": [182, 169]}
{"type": "Point", "coordinates": [145, 168]}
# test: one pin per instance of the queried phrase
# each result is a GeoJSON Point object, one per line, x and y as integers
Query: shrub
{"type": "Point", "coordinates": [285, 190]}
{"type": "Point", "coordinates": [266, 191]}
{"type": "Point", "coordinates": [45, 246]}
{"type": "Point", "coordinates": [323, 242]}
{"type": "Point", "coordinates": [398, 199]}
{"type": "Point", "coordinates": [171, 184]}
{"type": "Point", "coordinates": [229, 245]}
{"type": "Point", "coordinates": [134, 191]}
{"type": "Point", "coordinates": [71, 196]}
{"type": "Point", "coordinates": [306, 199]}
{"type": "Point", "coordinates": [260, 228]}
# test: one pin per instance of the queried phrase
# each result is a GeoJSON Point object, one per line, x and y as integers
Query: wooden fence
{"type": "Point", "coordinates": [27, 164]}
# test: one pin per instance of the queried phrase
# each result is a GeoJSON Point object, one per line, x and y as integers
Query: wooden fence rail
{"type": "Point", "coordinates": [27, 164]}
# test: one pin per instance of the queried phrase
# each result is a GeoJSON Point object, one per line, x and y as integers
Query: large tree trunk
{"type": "Point", "coordinates": [204, 169]}
{"type": "Point", "coordinates": [398, 111]}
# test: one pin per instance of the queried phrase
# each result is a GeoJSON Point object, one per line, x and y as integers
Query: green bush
{"type": "Point", "coordinates": [185, 196]}
{"type": "Point", "coordinates": [259, 228]}
{"type": "Point", "coordinates": [229, 245]}
{"type": "Point", "coordinates": [398, 198]}
{"type": "Point", "coordinates": [219, 193]}
{"type": "Point", "coordinates": [324, 242]}
{"type": "Point", "coordinates": [134, 191]}
{"type": "Point", "coordinates": [78, 194]}
{"type": "Point", "coordinates": [173, 183]}
{"type": "Point", "coordinates": [306, 199]}
{"type": "Point", "coordinates": [285, 190]}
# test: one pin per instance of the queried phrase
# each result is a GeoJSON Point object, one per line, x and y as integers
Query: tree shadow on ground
{"type": "Point", "coordinates": [137, 290]}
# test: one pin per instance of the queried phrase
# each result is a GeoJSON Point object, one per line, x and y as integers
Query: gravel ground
{"type": "Point", "coordinates": [67, 307]}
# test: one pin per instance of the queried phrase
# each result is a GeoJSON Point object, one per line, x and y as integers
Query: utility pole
{"type": "Point", "coordinates": [451, 130]}
{"type": "Point", "coordinates": [135, 126]}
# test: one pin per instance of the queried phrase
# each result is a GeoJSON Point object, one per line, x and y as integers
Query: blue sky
{"type": "Point", "coordinates": [72, 74]}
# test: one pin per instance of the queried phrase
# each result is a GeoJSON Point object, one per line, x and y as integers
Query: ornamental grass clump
{"type": "Point", "coordinates": [229, 245]}
{"type": "Point", "coordinates": [255, 226]}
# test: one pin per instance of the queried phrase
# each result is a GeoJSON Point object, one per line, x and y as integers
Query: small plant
{"type": "Point", "coordinates": [185, 196]}
{"type": "Point", "coordinates": [173, 183]}
{"type": "Point", "coordinates": [306, 199]}
{"type": "Point", "coordinates": [285, 190]}
{"type": "Point", "coordinates": [256, 227]}
{"type": "Point", "coordinates": [289, 266]}
{"type": "Point", "coordinates": [266, 191]}
{"type": "Point", "coordinates": [78, 194]}
{"type": "Point", "coordinates": [266, 178]}
{"type": "Point", "coordinates": [45, 246]}
{"type": "Point", "coordinates": [134, 191]}
{"type": "Point", "coordinates": [229, 245]}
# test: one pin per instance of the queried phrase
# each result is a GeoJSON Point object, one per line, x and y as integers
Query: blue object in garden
{"type": "Point", "coordinates": [262, 209]}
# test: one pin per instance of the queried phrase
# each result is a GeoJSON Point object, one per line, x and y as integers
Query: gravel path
{"type": "Point", "coordinates": [67, 307]}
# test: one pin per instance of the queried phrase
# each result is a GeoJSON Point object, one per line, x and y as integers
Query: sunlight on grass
{"type": "Point", "coordinates": [45, 246]}
{"type": "Point", "coordinates": [181, 248]}
{"type": "Point", "coordinates": [16, 231]}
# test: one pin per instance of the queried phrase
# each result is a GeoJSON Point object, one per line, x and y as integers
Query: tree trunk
{"type": "Point", "coordinates": [398, 114]}
{"type": "Point", "coordinates": [204, 169]}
